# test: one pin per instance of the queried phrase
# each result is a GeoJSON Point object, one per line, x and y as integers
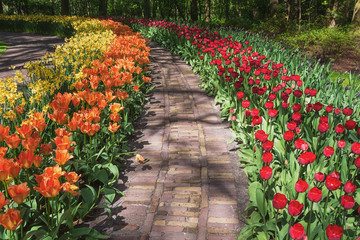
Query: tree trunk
{"type": "Point", "coordinates": [102, 7]}
{"type": "Point", "coordinates": [26, 7]}
{"type": "Point", "coordinates": [207, 10]}
{"type": "Point", "coordinates": [1, 7]}
{"type": "Point", "coordinates": [274, 7]}
{"type": "Point", "coordinates": [226, 3]}
{"type": "Point", "coordinates": [194, 10]}
{"type": "Point", "coordinates": [147, 10]}
{"type": "Point", "coordinates": [181, 13]}
{"type": "Point", "coordinates": [333, 14]}
{"type": "Point", "coordinates": [288, 10]}
{"type": "Point", "coordinates": [65, 7]}
{"type": "Point", "coordinates": [356, 15]}
{"type": "Point", "coordinates": [299, 16]}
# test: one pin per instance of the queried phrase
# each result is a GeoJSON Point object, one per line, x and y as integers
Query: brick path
{"type": "Point", "coordinates": [191, 186]}
{"type": "Point", "coordinates": [22, 48]}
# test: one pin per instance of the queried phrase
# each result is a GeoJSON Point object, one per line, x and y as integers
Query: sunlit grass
{"type": "Point", "coordinates": [344, 78]}
{"type": "Point", "coordinates": [3, 47]}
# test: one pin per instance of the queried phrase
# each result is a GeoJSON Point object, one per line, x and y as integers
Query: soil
{"type": "Point", "coordinates": [348, 61]}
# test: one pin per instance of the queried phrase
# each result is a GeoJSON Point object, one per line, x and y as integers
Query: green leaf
{"type": "Point", "coordinates": [109, 195]}
{"type": "Point", "coordinates": [261, 236]}
{"type": "Point", "coordinates": [260, 202]}
{"type": "Point", "coordinates": [89, 195]}
{"type": "Point", "coordinates": [102, 176]}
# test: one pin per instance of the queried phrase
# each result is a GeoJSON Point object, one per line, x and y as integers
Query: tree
{"type": "Point", "coordinates": [65, 7]}
{"type": "Point", "coordinates": [147, 10]}
{"type": "Point", "coordinates": [333, 14]}
{"type": "Point", "coordinates": [194, 10]}
{"type": "Point", "coordinates": [207, 10]}
{"type": "Point", "coordinates": [1, 8]}
{"type": "Point", "coordinates": [356, 15]}
{"type": "Point", "coordinates": [103, 7]}
{"type": "Point", "coordinates": [274, 7]}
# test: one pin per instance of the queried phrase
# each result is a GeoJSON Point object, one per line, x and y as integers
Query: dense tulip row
{"type": "Point", "coordinates": [67, 130]}
{"type": "Point", "coordinates": [300, 153]}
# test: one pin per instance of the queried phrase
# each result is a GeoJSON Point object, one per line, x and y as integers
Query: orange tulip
{"type": "Point", "coordinates": [25, 130]}
{"type": "Point", "coordinates": [15, 168]}
{"type": "Point", "coordinates": [12, 141]}
{"type": "Point", "coordinates": [114, 117]}
{"type": "Point", "coordinates": [62, 132]}
{"type": "Point", "coordinates": [58, 116]}
{"type": "Point", "coordinates": [32, 142]}
{"type": "Point", "coordinates": [146, 79]}
{"type": "Point", "coordinates": [115, 107]}
{"type": "Point", "coordinates": [70, 188]}
{"type": "Point", "coordinates": [136, 88]}
{"type": "Point", "coordinates": [75, 122]}
{"type": "Point", "coordinates": [94, 129]}
{"type": "Point", "coordinates": [109, 95]}
{"type": "Point", "coordinates": [122, 95]}
{"type": "Point", "coordinates": [76, 100]}
{"type": "Point", "coordinates": [37, 161]}
{"type": "Point", "coordinates": [113, 127]}
{"type": "Point", "coordinates": [19, 110]}
{"type": "Point", "coordinates": [63, 143]}
{"type": "Point", "coordinates": [18, 192]}
{"type": "Point", "coordinates": [11, 219]}
{"type": "Point", "coordinates": [38, 122]}
{"type": "Point", "coordinates": [54, 171]}
{"type": "Point", "coordinates": [26, 159]}
{"type": "Point", "coordinates": [48, 187]}
{"type": "Point", "coordinates": [3, 151]}
{"type": "Point", "coordinates": [3, 201]}
{"type": "Point", "coordinates": [62, 156]}
{"type": "Point", "coordinates": [72, 177]}
{"type": "Point", "coordinates": [46, 149]}
{"type": "Point", "coordinates": [4, 131]}
{"type": "Point", "coordinates": [139, 158]}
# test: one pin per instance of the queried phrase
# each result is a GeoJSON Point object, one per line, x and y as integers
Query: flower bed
{"type": "Point", "coordinates": [66, 130]}
{"type": "Point", "coordinates": [299, 131]}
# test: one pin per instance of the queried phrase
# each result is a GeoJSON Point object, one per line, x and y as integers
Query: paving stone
{"type": "Point", "coordinates": [189, 187]}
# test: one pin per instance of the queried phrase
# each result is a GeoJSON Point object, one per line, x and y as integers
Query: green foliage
{"type": "Point", "coordinates": [3, 47]}
{"type": "Point", "coordinates": [328, 41]}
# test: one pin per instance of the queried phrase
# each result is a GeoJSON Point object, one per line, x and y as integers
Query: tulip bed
{"type": "Point", "coordinates": [299, 130]}
{"type": "Point", "coordinates": [63, 130]}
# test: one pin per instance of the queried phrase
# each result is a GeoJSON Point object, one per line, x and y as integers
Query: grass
{"type": "Point", "coordinates": [343, 77]}
{"type": "Point", "coordinates": [3, 47]}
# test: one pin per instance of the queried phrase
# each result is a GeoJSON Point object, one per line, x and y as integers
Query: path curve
{"type": "Point", "coordinates": [192, 185]}
{"type": "Point", "coordinates": [24, 47]}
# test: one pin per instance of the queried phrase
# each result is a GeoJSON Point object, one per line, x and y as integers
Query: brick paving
{"type": "Point", "coordinates": [191, 186]}
{"type": "Point", "coordinates": [23, 48]}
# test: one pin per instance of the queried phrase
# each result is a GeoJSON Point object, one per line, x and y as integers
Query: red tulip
{"type": "Point", "coordinates": [268, 145]}
{"type": "Point", "coordinates": [297, 231]}
{"type": "Point", "coordinates": [266, 172]}
{"type": "Point", "coordinates": [347, 201]}
{"type": "Point", "coordinates": [267, 157]}
{"type": "Point", "coordinates": [279, 201]}
{"type": "Point", "coordinates": [315, 194]}
{"type": "Point", "coordinates": [334, 232]}
{"type": "Point", "coordinates": [306, 158]}
{"type": "Point", "coordinates": [355, 147]}
{"type": "Point", "coordinates": [349, 187]}
{"type": "Point", "coordinates": [350, 124]}
{"type": "Point", "coordinates": [332, 183]}
{"type": "Point", "coordinates": [288, 135]}
{"type": "Point", "coordinates": [261, 136]}
{"type": "Point", "coordinates": [301, 186]}
{"type": "Point", "coordinates": [339, 129]}
{"type": "Point", "coordinates": [295, 208]}
{"type": "Point", "coordinates": [341, 143]}
{"type": "Point", "coordinates": [319, 177]}
{"type": "Point", "coordinates": [328, 151]}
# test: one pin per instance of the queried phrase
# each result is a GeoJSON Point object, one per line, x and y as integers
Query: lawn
{"type": "Point", "coordinates": [3, 47]}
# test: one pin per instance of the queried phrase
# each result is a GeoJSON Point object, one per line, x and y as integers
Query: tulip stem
{"type": "Point", "coordinates": [344, 221]}
{"type": "Point", "coordinates": [287, 236]}
{"type": "Point", "coordinates": [276, 223]}
{"type": "Point", "coordinates": [309, 222]}
{"type": "Point", "coordinates": [325, 208]}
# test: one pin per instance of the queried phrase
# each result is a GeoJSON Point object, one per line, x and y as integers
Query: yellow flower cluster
{"type": "Point", "coordinates": [58, 69]}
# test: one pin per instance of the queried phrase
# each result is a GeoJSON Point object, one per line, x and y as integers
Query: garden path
{"type": "Point", "coordinates": [191, 185]}
{"type": "Point", "coordinates": [22, 48]}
